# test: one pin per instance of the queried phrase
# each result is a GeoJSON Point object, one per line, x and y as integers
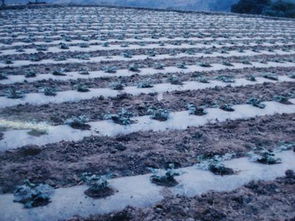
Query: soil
{"type": "Point", "coordinates": [99, 194]}
{"type": "Point", "coordinates": [61, 164]}
{"type": "Point", "coordinates": [96, 108]}
{"type": "Point", "coordinates": [260, 200]}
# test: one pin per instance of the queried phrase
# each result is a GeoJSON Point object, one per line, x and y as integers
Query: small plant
{"type": "Point", "coordinates": [127, 54]}
{"type": "Point", "coordinates": [3, 76]}
{"type": "Point", "coordinates": [110, 69]}
{"type": "Point", "coordinates": [264, 156]}
{"type": "Point", "coordinates": [63, 46]}
{"type": "Point", "coordinates": [182, 65]}
{"type": "Point", "coordinates": [292, 76]}
{"type": "Point", "coordinates": [122, 118]}
{"type": "Point", "coordinates": [175, 80]}
{"type": "Point", "coordinates": [270, 76]}
{"type": "Point", "coordinates": [251, 78]}
{"type": "Point", "coordinates": [84, 72]}
{"type": "Point", "coordinates": [158, 66]}
{"type": "Point", "coordinates": [202, 79]}
{"type": "Point", "coordinates": [194, 110]}
{"type": "Point", "coordinates": [225, 63]}
{"type": "Point", "coordinates": [78, 122]}
{"type": "Point", "coordinates": [144, 84]}
{"type": "Point", "coordinates": [227, 107]}
{"type": "Point", "coordinates": [205, 65]}
{"type": "Point", "coordinates": [82, 88]}
{"type": "Point", "coordinates": [256, 103]}
{"type": "Point", "coordinates": [282, 99]}
{"type": "Point", "coordinates": [58, 73]}
{"type": "Point", "coordinates": [226, 79]}
{"type": "Point", "coordinates": [30, 74]}
{"type": "Point", "coordinates": [164, 177]}
{"type": "Point", "coordinates": [215, 164]}
{"type": "Point", "coordinates": [117, 86]}
{"type": "Point", "coordinates": [33, 195]}
{"type": "Point", "coordinates": [14, 94]}
{"type": "Point", "coordinates": [49, 91]}
{"type": "Point", "coordinates": [98, 185]}
{"type": "Point", "coordinates": [159, 114]}
{"type": "Point", "coordinates": [134, 68]}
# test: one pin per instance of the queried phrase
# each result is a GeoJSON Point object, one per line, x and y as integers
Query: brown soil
{"type": "Point", "coordinates": [61, 164]}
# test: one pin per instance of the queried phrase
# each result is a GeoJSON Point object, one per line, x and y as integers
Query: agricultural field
{"type": "Point", "coordinates": [132, 114]}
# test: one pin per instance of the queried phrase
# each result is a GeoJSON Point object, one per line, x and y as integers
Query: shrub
{"type": "Point", "coordinates": [270, 76]}
{"type": "Point", "coordinates": [30, 74]}
{"type": "Point", "coordinates": [250, 78]}
{"type": "Point", "coordinates": [79, 122]}
{"type": "Point", "coordinates": [110, 69]}
{"type": "Point", "coordinates": [194, 110]}
{"type": "Point", "coordinates": [175, 80]}
{"type": "Point", "coordinates": [215, 164]}
{"type": "Point", "coordinates": [264, 156]}
{"type": "Point", "coordinates": [256, 103]}
{"type": "Point", "coordinates": [14, 94]}
{"type": "Point", "coordinates": [159, 114]}
{"type": "Point", "coordinates": [282, 99]}
{"type": "Point", "coordinates": [164, 177]}
{"type": "Point", "coordinates": [158, 66]}
{"type": "Point", "coordinates": [33, 195]}
{"type": "Point", "coordinates": [59, 73]}
{"type": "Point", "coordinates": [134, 68]}
{"type": "Point", "coordinates": [227, 107]}
{"type": "Point", "coordinates": [205, 65]}
{"type": "Point", "coordinates": [82, 88]}
{"type": "Point", "coordinates": [226, 79]}
{"type": "Point", "coordinates": [122, 118]}
{"type": "Point", "coordinates": [49, 91]}
{"type": "Point", "coordinates": [3, 76]}
{"type": "Point", "coordinates": [98, 185]}
{"type": "Point", "coordinates": [144, 84]}
{"type": "Point", "coordinates": [63, 46]}
{"type": "Point", "coordinates": [117, 86]}
{"type": "Point", "coordinates": [182, 65]}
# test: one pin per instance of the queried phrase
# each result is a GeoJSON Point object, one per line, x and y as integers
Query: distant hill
{"type": "Point", "coordinates": [200, 5]}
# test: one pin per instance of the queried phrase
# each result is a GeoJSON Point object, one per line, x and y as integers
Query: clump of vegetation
{"type": "Point", "coordinates": [202, 79]}
{"type": "Point", "coordinates": [79, 122]}
{"type": "Point", "coordinates": [98, 185]}
{"type": "Point", "coordinates": [205, 65]}
{"type": "Point", "coordinates": [226, 79]}
{"type": "Point", "coordinates": [127, 54]}
{"type": "Point", "coordinates": [63, 46]}
{"type": "Point", "coordinates": [227, 107]}
{"type": "Point", "coordinates": [58, 73]}
{"type": "Point", "coordinates": [256, 103]}
{"type": "Point", "coordinates": [264, 156]}
{"type": "Point", "coordinates": [158, 66]}
{"type": "Point", "coordinates": [117, 86]}
{"type": "Point", "coordinates": [159, 114]}
{"type": "Point", "coordinates": [82, 88]}
{"type": "Point", "coordinates": [225, 63]}
{"type": "Point", "coordinates": [164, 177]}
{"type": "Point", "coordinates": [175, 80]}
{"type": "Point", "coordinates": [145, 84]}
{"type": "Point", "coordinates": [182, 65]}
{"type": "Point", "coordinates": [194, 110]}
{"type": "Point", "coordinates": [215, 164]}
{"type": "Point", "coordinates": [84, 72]}
{"type": "Point", "coordinates": [270, 76]}
{"type": "Point", "coordinates": [3, 76]}
{"type": "Point", "coordinates": [122, 118]}
{"type": "Point", "coordinates": [49, 91]}
{"type": "Point", "coordinates": [134, 68]}
{"type": "Point", "coordinates": [14, 94]}
{"type": "Point", "coordinates": [110, 69]}
{"type": "Point", "coordinates": [282, 99]}
{"type": "Point", "coordinates": [30, 74]}
{"type": "Point", "coordinates": [33, 195]}
{"type": "Point", "coordinates": [250, 78]}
